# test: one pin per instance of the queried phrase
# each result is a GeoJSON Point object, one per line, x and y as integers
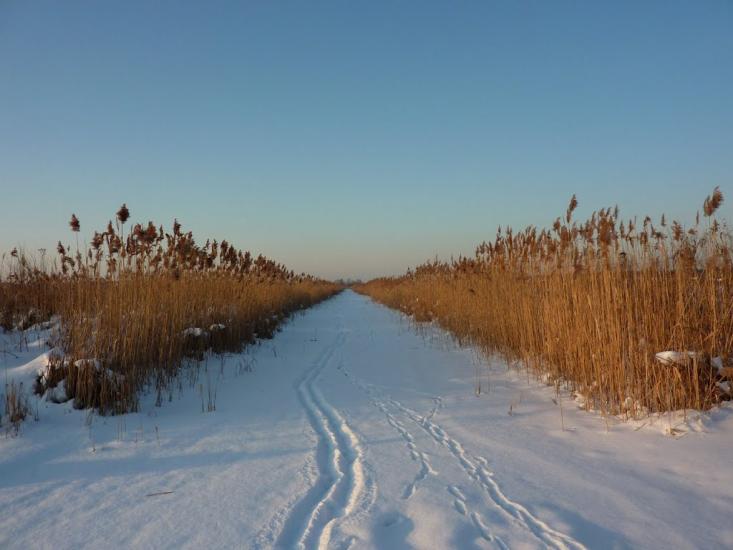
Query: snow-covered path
{"type": "Point", "coordinates": [352, 429]}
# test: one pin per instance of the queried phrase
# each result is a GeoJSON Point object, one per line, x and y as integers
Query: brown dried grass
{"type": "Point", "coordinates": [589, 305]}
{"type": "Point", "coordinates": [125, 302]}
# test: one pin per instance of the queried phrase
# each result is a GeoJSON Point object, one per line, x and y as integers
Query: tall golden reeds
{"type": "Point", "coordinates": [591, 304]}
{"type": "Point", "coordinates": [131, 308]}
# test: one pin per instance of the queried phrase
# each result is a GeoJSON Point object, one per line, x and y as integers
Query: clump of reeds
{"type": "Point", "coordinates": [591, 304]}
{"type": "Point", "coordinates": [133, 305]}
{"type": "Point", "coordinates": [16, 406]}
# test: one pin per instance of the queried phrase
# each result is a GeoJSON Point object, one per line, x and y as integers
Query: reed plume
{"type": "Point", "coordinates": [127, 309]}
{"type": "Point", "coordinates": [590, 305]}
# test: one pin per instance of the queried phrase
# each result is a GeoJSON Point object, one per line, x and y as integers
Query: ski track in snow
{"type": "Point", "coordinates": [339, 460]}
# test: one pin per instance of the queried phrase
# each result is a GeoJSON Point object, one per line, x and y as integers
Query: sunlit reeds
{"type": "Point", "coordinates": [135, 304]}
{"type": "Point", "coordinates": [590, 305]}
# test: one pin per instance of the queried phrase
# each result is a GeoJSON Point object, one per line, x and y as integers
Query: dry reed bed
{"type": "Point", "coordinates": [133, 307]}
{"type": "Point", "coordinates": [589, 305]}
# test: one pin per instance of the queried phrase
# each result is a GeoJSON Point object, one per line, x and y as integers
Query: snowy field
{"type": "Point", "coordinates": [350, 429]}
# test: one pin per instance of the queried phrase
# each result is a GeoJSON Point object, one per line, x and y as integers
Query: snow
{"type": "Point", "coordinates": [682, 358]}
{"type": "Point", "coordinates": [717, 362]}
{"type": "Point", "coordinates": [88, 363]}
{"type": "Point", "coordinates": [352, 428]}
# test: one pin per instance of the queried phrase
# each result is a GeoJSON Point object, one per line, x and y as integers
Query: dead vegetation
{"type": "Point", "coordinates": [591, 304]}
{"type": "Point", "coordinates": [139, 301]}
{"type": "Point", "coordinates": [16, 406]}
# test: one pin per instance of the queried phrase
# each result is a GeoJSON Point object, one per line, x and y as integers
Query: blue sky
{"type": "Point", "coordinates": [358, 138]}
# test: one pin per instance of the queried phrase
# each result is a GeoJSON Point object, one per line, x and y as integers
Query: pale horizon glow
{"type": "Point", "coordinates": [358, 140]}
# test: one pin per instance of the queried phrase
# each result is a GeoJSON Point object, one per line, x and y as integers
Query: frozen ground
{"type": "Point", "coordinates": [351, 429]}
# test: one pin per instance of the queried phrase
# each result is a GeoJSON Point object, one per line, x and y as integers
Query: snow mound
{"type": "Point", "coordinates": [679, 358]}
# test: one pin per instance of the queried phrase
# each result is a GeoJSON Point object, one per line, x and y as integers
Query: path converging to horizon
{"type": "Point", "coordinates": [355, 428]}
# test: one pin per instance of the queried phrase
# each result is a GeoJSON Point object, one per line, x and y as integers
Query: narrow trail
{"type": "Point", "coordinates": [339, 461]}
{"type": "Point", "coordinates": [354, 431]}
{"type": "Point", "coordinates": [405, 392]}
